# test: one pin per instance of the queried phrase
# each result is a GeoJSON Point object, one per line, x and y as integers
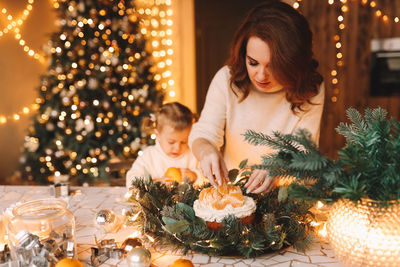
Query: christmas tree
{"type": "Point", "coordinates": [98, 88]}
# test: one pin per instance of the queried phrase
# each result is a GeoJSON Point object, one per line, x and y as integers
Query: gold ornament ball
{"type": "Point", "coordinates": [69, 263]}
{"type": "Point", "coordinates": [139, 257]}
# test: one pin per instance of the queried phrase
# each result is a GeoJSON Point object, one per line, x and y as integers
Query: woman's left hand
{"type": "Point", "coordinates": [259, 182]}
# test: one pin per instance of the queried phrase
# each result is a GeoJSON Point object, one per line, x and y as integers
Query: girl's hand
{"type": "Point", "coordinates": [187, 173]}
{"type": "Point", "coordinates": [259, 182]}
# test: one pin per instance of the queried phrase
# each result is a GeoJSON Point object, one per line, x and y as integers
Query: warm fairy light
{"type": "Point", "coordinates": [379, 13]}
{"type": "Point", "coordinates": [14, 24]}
{"type": "Point", "coordinates": [156, 24]}
{"type": "Point", "coordinates": [17, 116]}
{"type": "Point", "coordinates": [336, 38]}
{"type": "Point", "coordinates": [323, 233]}
{"type": "Point", "coordinates": [372, 4]}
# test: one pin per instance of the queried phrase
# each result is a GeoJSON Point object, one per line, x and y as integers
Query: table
{"type": "Point", "coordinates": [87, 201]}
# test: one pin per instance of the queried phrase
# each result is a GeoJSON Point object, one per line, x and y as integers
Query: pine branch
{"type": "Point", "coordinates": [278, 141]}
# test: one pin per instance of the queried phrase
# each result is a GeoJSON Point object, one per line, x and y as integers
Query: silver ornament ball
{"type": "Point", "coordinates": [105, 216]}
{"type": "Point", "coordinates": [139, 257]}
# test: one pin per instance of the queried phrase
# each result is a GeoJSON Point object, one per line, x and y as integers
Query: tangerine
{"type": "Point", "coordinates": [67, 262]}
{"type": "Point", "coordinates": [182, 263]}
{"type": "Point", "coordinates": [174, 174]}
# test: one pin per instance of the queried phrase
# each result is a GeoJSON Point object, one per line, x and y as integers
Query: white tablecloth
{"type": "Point", "coordinates": [89, 200]}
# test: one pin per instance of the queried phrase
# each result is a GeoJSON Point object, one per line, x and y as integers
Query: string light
{"type": "Point", "coordinates": [156, 24]}
{"type": "Point", "coordinates": [379, 13]}
{"type": "Point", "coordinates": [338, 44]}
{"type": "Point", "coordinates": [17, 116]}
{"type": "Point", "coordinates": [14, 25]}
{"type": "Point", "coordinates": [337, 37]}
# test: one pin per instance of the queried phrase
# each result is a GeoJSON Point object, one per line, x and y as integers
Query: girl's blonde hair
{"type": "Point", "coordinates": [175, 114]}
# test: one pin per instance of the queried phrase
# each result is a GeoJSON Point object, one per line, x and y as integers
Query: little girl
{"type": "Point", "coordinates": [171, 153]}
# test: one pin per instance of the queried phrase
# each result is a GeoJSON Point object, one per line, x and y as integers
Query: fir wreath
{"type": "Point", "coordinates": [166, 214]}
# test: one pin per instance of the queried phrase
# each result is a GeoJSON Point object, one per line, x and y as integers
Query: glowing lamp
{"type": "Point", "coordinates": [366, 233]}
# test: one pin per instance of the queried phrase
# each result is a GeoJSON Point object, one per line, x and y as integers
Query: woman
{"type": "Point", "coordinates": [270, 84]}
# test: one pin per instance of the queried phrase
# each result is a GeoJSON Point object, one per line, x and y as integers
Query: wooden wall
{"type": "Point", "coordinates": [361, 26]}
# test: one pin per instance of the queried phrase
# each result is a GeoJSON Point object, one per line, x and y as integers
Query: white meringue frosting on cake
{"type": "Point", "coordinates": [210, 214]}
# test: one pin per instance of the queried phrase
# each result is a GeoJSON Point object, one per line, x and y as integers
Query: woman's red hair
{"type": "Point", "coordinates": [289, 38]}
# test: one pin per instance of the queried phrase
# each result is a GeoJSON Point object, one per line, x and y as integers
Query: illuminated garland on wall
{"type": "Point", "coordinates": [15, 24]}
{"type": "Point", "coordinates": [156, 24]}
{"type": "Point", "coordinates": [337, 38]}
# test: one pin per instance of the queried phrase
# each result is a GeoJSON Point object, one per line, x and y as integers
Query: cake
{"type": "Point", "coordinates": [216, 203]}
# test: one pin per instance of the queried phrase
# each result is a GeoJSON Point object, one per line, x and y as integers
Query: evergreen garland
{"type": "Point", "coordinates": [166, 213]}
{"type": "Point", "coordinates": [368, 165]}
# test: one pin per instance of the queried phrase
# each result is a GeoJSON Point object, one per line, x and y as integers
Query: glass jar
{"type": "Point", "coordinates": [366, 233]}
{"type": "Point", "coordinates": [42, 229]}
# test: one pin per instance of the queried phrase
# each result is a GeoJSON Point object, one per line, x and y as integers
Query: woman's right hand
{"type": "Point", "coordinates": [211, 162]}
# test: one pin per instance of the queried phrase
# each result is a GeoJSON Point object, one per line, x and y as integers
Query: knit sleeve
{"type": "Point", "coordinates": [137, 170]}
{"type": "Point", "coordinates": [211, 125]}
{"type": "Point", "coordinates": [311, 120]}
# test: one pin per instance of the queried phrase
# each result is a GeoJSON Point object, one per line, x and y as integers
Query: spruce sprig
{"type": "Point", "coordinates": [367, 166]}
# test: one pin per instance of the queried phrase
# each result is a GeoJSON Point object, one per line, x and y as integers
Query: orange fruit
{"type": "Point", "coordinates": [223, 189]}
{"type": "Point", "coordinates": [220, 205]}
{"type": "Point", "coordinates": [182, 263]}
{"type": "Point", "coordinates": [69, 263]}
{"type": "Point", "coordinates": [210, 195]}
{"type": "Point", "coordinates": [174, 174]}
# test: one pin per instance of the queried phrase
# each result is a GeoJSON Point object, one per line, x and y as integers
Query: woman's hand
{"type": "Point", "coordinates": [211, 162]}
{"type": "Point", "coordinates": [259, 182]}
